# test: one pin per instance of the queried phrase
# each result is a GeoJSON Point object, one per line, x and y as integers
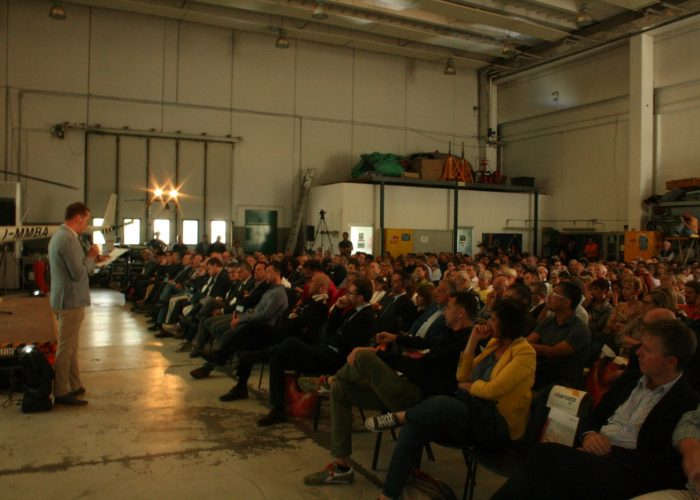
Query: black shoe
{"type": "Point", "coordinates": [195, 353]}
{"type": "Point", "coordinates": [272, 418]}
{"type": "Point", "coordinates": [238, 392]}
{"type": "Point", "coordinates": [201, 372]}
{"type": "Point", "coordinates": [69, 400]}
{"type": "Point", "coordinates": [79, 392]}
{"type": "Point", "coordinates": [217, 357]}
{"type": "Point", "coordinates": [154, 328]}
{"type": "Point", "coordinates": [163, 335]}
{"type": "Point", "coordinates": [184, 347]}
{"type": "Point", "coordinates": [252, 357]}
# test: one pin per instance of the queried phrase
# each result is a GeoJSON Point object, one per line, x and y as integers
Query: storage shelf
{"type": "Point", "coordinates": [686, 203]}
{"type": "Point", "coordinates": [475, 186]}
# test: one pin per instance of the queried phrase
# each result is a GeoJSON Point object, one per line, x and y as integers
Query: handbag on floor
{"type": "Point", "coordinates": [37, 378]}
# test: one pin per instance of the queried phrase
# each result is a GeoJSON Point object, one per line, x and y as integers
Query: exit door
{"type": "Point", "coordinates": [260, 231]}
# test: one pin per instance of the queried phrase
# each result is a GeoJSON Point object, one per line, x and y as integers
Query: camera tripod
{"type": "Point", "coordinates": [322, 230]}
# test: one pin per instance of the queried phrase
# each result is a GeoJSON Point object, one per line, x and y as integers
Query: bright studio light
{"type": "Point", "coordinates": [173, 194]}
{"type": "Point", "coordinates": [157, 192]}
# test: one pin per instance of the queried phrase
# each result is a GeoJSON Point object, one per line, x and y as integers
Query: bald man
{"type": "Point", "coordinates": [652, 315]}
{"type": "Point", "coordinates": [658, 313]}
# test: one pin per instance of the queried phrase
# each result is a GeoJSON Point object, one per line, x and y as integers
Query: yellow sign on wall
{"type": "Point", "coordinates": [398, 241]}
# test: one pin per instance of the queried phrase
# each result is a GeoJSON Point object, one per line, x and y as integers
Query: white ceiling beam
{"type": "Point", "coordinates": [506, 22]}
{"type": "Point", "coordinates": [564, 6]}
{"type": "Point", "coordinates": [315, 32]}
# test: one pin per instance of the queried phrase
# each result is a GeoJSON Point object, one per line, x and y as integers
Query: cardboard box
{"type": "Point", "coordinates": [683, 183]}
{"type": "Point", "coordinates": [411, 175]}
{"type": "Point", "coordinates": [430, 170]}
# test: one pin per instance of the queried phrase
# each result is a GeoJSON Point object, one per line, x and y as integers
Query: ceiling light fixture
{"type": "Point", "coordinates": [583, 18]}
{"type": "Point", "coordinates": [450, 67]}
{"type": "Point", "coordinates": [57, 11]}
{"type": "Point", "coordinates": [320, 13]}
{"type": "Point", "coordinates": [282, 41]}
{"type": "Point", "coordinates": [509, 49]}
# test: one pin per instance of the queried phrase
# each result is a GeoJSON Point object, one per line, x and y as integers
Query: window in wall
{"type": "Point", "coordinates": [190, 231]}
{"type": "Point", "coordinates": [132, 231]}
{"type": "Point", "coordinates": [162, 226]}
{"type": "Point", "coordinates": [97, 237]}
{"type": "Point", "coordinates": [218, 228]}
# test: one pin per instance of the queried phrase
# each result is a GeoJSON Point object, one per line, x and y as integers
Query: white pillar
{"type": "Point", "coordinates": [641, 128]}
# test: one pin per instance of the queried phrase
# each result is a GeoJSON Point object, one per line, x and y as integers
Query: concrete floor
{"type": "Point", "coordinates": [150, 431]}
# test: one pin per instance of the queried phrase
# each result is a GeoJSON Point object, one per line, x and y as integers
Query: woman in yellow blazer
{"type": "Point", "coordinates": [491, 408]}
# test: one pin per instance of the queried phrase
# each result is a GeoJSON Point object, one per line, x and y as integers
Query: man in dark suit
{"type": "Point", "coordinates": [344, 333]}
{"type": "Point", "coordinates": [431, 323]}
{"type": "Point", "coordinates": [218, 284]}
{"type": "Point", "coordinates": [398, 315]}
{"type": "Point", "coordinates": [625, 444]}
{"type": "Point", "coordinates": [304, 322]}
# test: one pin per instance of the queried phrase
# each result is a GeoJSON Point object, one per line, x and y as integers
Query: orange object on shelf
{"type": "Point", "coordinates": [457, 169]}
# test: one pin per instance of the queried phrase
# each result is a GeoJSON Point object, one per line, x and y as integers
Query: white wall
{"type": "Point", "coordinates": [575, 142]}
{"type": "Point", "coordinates": [349, 204]}
{"type": "Point", "coordinates": [309, 106]}
{"type": "Point", "coordinates": [677, 105]}
{"type": "Point", "coordinates": [577, 145]}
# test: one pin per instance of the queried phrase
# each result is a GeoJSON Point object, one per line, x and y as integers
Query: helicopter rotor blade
{"type": "Point", "coordinates": [38, 179]}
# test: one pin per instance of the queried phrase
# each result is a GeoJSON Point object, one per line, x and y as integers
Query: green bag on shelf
{"type": "Point", "coordinates": [381, 163]}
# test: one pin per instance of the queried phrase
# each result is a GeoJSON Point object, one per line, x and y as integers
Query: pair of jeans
{"type": "Point", "coordinates": [371, 384]}
{"type": "Point", "coordinates": [444, 419]}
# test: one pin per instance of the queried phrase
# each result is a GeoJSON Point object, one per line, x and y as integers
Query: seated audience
{"type": "Point", "coordinates": [304, 322]}
{"type": "Point", "coordinates": [491, 409]}
{"type": "Point", "coordinates": [370, 380]}
{"type": "Point", "coordinates": [203, 303]}
{"type": "Point", "coordinates": [686, 438]}
{"type": "Point", "coordinates": [599, 311]}
{"type": "Point", "coordinates": [561, 341]}
{"type": "Point", "coordinates": [431, 323]}
{"type": "Point", "coordinates": [217, 247]}
{"type": "Point", "coordinates": [251, 330]}
{"type": "Point", "coordinates": [538, 302]}
{"type": "Point", "coordinates": [484, 287]}
{"type": "Point", "coordinates": [691, 308]}
{"type": "Point", "coordinates": [343, 334]}
{"type": "Point", "coordinates": [631, 334]}
{"type": "Point", "coordinates": [625, 446]}
{"type": "Point", "coordinates": [626, 311]}
{"type": "Point", "coordinates": [400, 311]}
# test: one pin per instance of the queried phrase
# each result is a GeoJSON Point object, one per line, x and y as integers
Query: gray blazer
{"type": "Point", "coordinates": [69, 266]}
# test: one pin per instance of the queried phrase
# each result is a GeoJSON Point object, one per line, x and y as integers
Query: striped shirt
{"type": "Point", "coordinates": [688, 427]}
{"type": "Point", "coordinates": [623, 427]}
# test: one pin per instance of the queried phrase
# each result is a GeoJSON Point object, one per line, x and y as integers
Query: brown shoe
{"type": "Point", "coordinates": [273, 418]}
{"type": "Point", "coordinates": [69, 400]}
{"type": "Point", "coordinates": [201, 372]}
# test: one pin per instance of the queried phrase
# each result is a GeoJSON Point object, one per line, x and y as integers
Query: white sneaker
{"type": "Point", "coordinates": [381, 423]}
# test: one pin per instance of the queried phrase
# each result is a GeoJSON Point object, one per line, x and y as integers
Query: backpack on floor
{"type": "Point", "coordinates": [37, 378]}
{"type": "Point", "coordinates": [434, 488]}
